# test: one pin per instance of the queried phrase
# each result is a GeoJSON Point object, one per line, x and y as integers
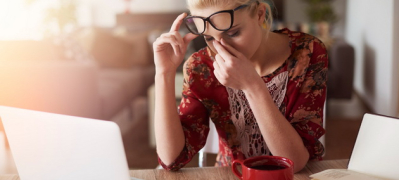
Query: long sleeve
{"type": "Point", "coordinates": [306, 107]}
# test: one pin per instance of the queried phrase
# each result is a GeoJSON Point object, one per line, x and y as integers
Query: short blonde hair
{"type": "Point", "coordinates": [253, 7]}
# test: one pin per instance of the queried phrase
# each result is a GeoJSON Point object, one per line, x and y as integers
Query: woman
{"type": "Point", "coordinates": [264, 90]}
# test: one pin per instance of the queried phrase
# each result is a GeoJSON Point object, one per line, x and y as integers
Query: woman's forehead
{"type": "Point", "coordinates": [205, 12]}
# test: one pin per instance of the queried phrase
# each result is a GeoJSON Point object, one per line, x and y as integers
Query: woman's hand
{"type": "Point", "coordinates": [170, 48]}
{"type": "Point", "coordinates": [232, 68]}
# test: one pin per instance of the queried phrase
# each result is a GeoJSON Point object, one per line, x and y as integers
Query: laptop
{"type": "Point", "coordinates": [375, 154]}
{"type": "Point", "coordinates": [48, 146]}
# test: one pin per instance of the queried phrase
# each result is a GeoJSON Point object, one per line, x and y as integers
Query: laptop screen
{"type": "Point", "coordinates": [49, 146]}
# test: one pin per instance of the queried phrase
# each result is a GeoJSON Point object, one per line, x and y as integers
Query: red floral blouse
{"type": "Point", "coordinates": [298, 88]}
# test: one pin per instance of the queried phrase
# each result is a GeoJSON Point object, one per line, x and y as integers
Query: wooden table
{"type": "Point", "coordinates": [217, 173]}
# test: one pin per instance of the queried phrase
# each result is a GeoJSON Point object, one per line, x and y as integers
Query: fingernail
{"type": "Point", "coordinates": [222, 41]}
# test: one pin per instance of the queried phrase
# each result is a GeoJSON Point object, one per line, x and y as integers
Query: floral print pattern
{"type": "Point", "coordinates": [204, 98]}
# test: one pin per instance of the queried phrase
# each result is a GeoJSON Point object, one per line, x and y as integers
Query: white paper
{"type": "Point", "coordinates": [341, 174]}
{"type": "Point", "coordinates": [376, 148]}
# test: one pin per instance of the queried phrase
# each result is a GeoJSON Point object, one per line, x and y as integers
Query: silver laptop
{"type": "Point", "coordinates": [376, 151]}
{"type": "Point", "coordinates": [48, 146]}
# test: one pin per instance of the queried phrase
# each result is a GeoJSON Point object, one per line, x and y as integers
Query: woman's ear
{"type": "Point", "coordinates": [261, 13]}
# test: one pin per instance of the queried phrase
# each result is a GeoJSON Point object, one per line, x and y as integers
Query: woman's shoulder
{"type": "Point", "coordinates": [300, 39]}
{"type": "Point", "coordinates": [301, 42]}
{"type": "Point", "coordinates": [307, 52]}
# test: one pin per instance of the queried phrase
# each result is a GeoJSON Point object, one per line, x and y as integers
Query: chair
{"type": "Point", "coordinates": [323, 138]}
{"type": "Point", "coordinates": [341, 70]}
{"type": "Point", "coordinates": [211, 146]}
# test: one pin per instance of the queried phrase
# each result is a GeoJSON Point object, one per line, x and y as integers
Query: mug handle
{"type": "Point", "coordinates": [235, 171]}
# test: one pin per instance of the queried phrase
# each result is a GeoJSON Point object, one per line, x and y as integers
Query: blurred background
{"type": "Point", "coordinates": [93, 58]}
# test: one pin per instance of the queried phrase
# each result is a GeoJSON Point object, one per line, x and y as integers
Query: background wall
{"type": "Point", "coordinates": [21, 20]}
{"type": "Point", "coordinates": [158, 5]}
{"type": "Point", "coordinates": [103, 11]}
{"type": "Point", "coordinates": [395, 66]}
{"type": "Point", "coordinates": [294, 12]}
{"type": "Point", "coordinates": [370, 28]}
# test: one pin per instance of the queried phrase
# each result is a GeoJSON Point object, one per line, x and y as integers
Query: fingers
{"type": "Point", "coordinates": [222, 51]}
{"type": "Point", "coordinates": [222, 71]}
{"type": "Point", "coordinates": [173, 39]}
{"type": "Point", "coordinates": [226, 63]}
{"type": "Point", "coordinates": [221, 67]}
{"type": "Point", "coordinates": [178, 37]}
{"type": "Point", "coordinates": [225, 50]}
{"type": "Point", "coordinates": [177, 23]}
{"type": "Point", "coordinates": [230, 49]}
{"type": "Point", "coordinates": [217, 71]}
{"type": "Point", "coordinates": [189, 37]}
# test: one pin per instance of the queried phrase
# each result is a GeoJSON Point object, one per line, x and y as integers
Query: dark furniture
{"type": "Point", "coordinates": [341, 70]}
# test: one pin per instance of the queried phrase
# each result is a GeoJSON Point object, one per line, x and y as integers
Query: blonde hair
{"type": "Point", "coordinates": [253, 7]}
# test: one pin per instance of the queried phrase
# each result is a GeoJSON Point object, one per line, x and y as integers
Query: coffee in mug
{"type": "Point", "coordinates": [264, 167]}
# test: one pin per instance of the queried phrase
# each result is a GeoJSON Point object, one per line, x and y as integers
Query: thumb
{"type": "Point", "coordinates": [189, 37]}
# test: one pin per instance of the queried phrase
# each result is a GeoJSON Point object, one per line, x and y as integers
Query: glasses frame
{"type": "Point", "coordinates": [207, 19]}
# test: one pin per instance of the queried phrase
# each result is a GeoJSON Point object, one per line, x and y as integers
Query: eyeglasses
{"type": "Point", "coordinates": [221, 20]}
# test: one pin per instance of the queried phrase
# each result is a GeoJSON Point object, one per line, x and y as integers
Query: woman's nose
{"type": "Point", "coordinates": [216, 34]}
{"type": "Point", "coordinates": [218, 39]}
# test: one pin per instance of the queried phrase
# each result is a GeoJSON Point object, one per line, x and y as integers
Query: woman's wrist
{"type": "Point", "coordinates": [255, 87]}
{"type": "Point", "coordinates": [165, 70]}
{"type": "Point", "coordinates": [165, 78]}
{"type": "Point", "coordinates": [164, 73]}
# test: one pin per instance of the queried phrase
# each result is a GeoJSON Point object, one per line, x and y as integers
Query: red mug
{"type": "Point", "coordinates": [264, 167]}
